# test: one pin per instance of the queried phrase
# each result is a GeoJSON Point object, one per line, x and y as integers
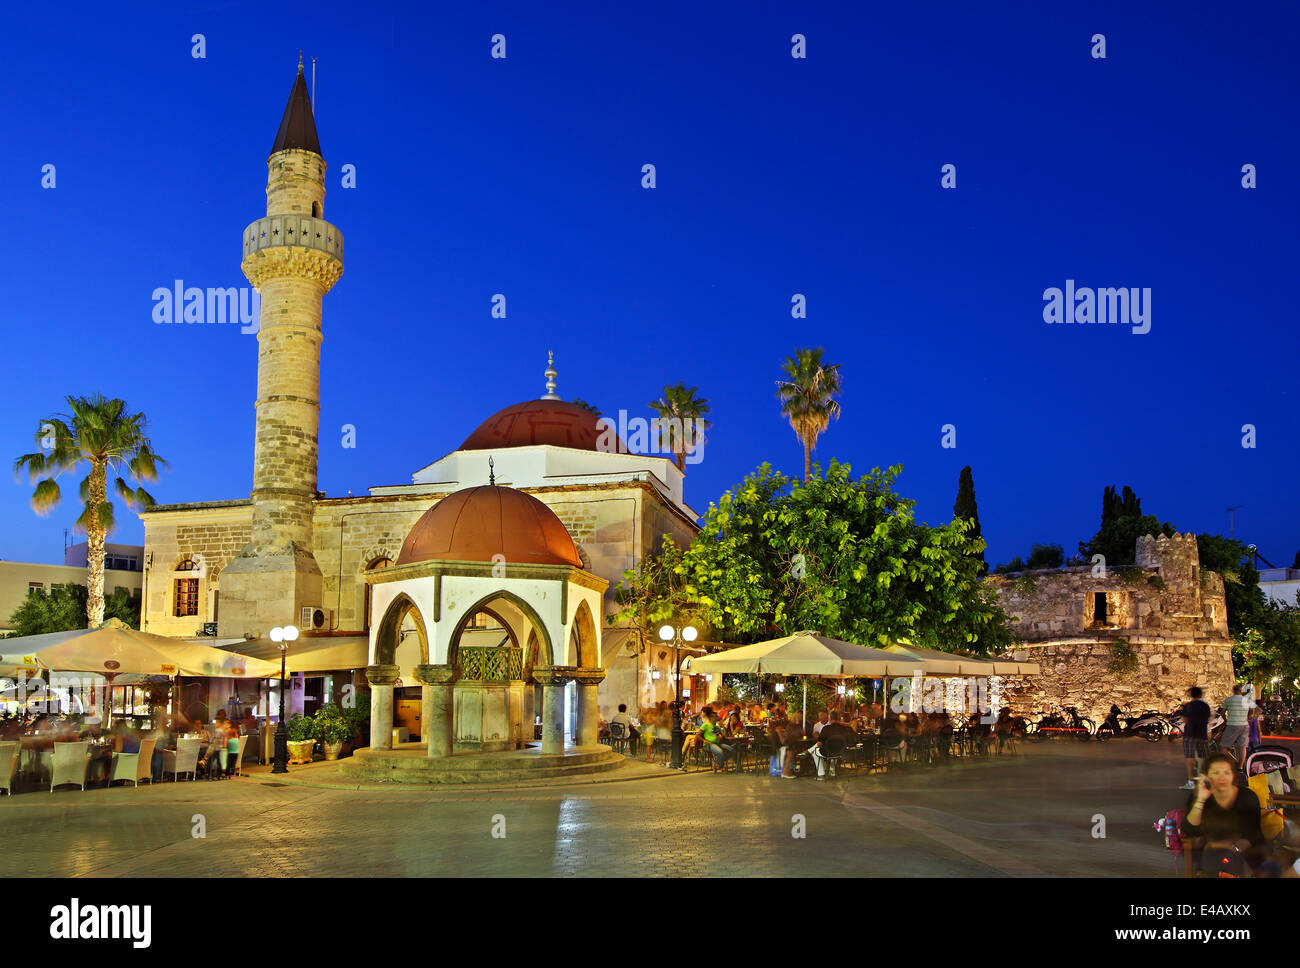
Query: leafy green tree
{"type": "Point", "coordinates": [681, 420]}
{"type": "Point", "coordinates": [589, 407]}
{"type": "Point", "coordinates": [966, 509]}
{"type": "Point", "coordinates": [1296, 563]}
{"type": "Point", "coordinates": [808, 398]}
{"type": "Point", "coordinates": [1271, 648]}
{"type": "Point", "coordinates": [654, 594]}
{"type": "Point", "coordinates": [841, 556]}
{"type": "Point", "coordinates": [63, 607]}
{"type": "Point", "coordinates": [1122, 523]}
{"type": "Point", "coordinates": [1241, 592]}
{"type": "Point", "coordinates": [1046, 556]}
{"type": "Point", "coordinates": [100, 433]}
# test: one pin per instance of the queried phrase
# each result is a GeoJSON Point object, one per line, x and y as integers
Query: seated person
{"type": "Point", "coordinates": [1226, 815]}
{"type": "Point", "coordinates": [832, 730]}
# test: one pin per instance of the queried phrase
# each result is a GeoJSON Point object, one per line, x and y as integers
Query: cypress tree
{"type": "Point", "coordinates": [968, 510]}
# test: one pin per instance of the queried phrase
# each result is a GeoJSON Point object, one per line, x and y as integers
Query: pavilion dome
{"type": "Point", "coordinates": [478, 523]}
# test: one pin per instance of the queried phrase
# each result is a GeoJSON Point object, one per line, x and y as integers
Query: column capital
{"type": "Point", "coordinates": [588, 677]}
{"type": "Point", "coordinates": [382, 675]}
{"type": "Point", "coordinates": [437, 675]}
{"type": "Point", "coordinates": [554, 675]}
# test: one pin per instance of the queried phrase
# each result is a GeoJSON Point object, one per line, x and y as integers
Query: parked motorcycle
{"type": "Point", "coordinates": [1150, 725]}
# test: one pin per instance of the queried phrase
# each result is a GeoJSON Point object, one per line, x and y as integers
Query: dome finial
{"type": "Point", "coordinates": [492, 476]}
{"type": "Point", "coordinates": [299, 60]}
{"type": "Point", "coordinates": [550, 375]}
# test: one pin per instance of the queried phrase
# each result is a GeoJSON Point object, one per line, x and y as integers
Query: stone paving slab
{"type": "Point", "coordinates": [1010, 816]}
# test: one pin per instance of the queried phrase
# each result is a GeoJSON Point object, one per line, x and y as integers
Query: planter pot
{"type": "Point", "coordinates": [300, 750]}
{"type": "Point", "coordinates": [332, 750]}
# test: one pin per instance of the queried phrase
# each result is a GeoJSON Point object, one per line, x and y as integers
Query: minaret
{"type": "Point", "coordinates": [292, 257]}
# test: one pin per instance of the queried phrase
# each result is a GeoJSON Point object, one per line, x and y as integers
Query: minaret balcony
{"type": "Point", "coordinates": [293, 230]}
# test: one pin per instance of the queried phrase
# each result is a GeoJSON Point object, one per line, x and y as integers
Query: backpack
{"type": "Point", "coordinates": [1171, 825]}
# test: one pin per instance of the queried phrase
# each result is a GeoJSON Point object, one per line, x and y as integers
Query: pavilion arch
{"type": "Point", "coordinates": [390, 628]}
{"type": "Point", "coordinates": [583, 638]}
{"type": "Point", "coordinates": [537, 631]}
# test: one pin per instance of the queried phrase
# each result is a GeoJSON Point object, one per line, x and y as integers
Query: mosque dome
{"type": "Point", "coordinates": [553, 422]}
{"type": "Point", "coordinates": [478, 523]}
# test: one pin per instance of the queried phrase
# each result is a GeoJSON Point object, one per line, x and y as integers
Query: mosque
{"type": "Point", "coordinates": [473, 601]}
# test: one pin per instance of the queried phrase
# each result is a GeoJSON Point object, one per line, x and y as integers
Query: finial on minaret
{"type": "Point", "coordinates": [492, 477]}
{"type": "Point", "coordinates": [550, 375]}
{"type": "Point", "coordinates": [300, 60]}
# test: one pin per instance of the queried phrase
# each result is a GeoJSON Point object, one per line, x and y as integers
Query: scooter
{"type": "Point", "coordinates": [1150, 725]}
{"type": "Point", "coordinates": [1213, 729]}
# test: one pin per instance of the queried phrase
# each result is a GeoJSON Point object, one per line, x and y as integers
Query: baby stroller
{"type": "Point", "coordinates": [1266, 759]}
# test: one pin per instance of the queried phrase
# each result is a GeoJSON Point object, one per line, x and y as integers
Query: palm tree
{"type": "Point", "coordinates": [100, 432]}
{"type": "Point", "coordinates": [807, 398]}
{"type": "Point", "coordinates": [678, 408]}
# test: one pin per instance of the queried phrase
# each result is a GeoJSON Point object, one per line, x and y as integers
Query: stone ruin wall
{"type": "Point", "coordinates": [1171, 613]}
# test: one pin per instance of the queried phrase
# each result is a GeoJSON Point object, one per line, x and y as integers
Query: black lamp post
{"type": "Point", "coordinates": [283, 636]}
{"type": "Point", "coordinates": [669, 633]}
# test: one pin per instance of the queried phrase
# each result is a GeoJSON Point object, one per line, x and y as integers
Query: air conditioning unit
{"type": "Point", "coordinates": [315, 619]}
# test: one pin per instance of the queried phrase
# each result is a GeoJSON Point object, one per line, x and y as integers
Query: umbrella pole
{"type": "Point", "coordinates": [805, 703]}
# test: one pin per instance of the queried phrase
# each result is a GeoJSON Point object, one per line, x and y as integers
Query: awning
{"type": "Point", "coordinates": [325, 654]}
{"type": "Point", "coordinates": [114, 649]}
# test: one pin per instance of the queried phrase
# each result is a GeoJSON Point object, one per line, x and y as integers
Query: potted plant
{"type": "Point", "coordinates": [358, 717]}
{"type": "Point", "coordinates": [332, 728]}
{"type": "Point", "coordinates": [302, 737]}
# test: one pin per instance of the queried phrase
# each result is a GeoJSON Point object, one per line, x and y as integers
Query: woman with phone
{"type": "Point", "coordinates": [1226, 815]}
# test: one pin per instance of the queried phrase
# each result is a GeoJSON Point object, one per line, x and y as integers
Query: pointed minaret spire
{"type": "Point", "coordinates": [298, 126]}
{"type": "Point", "coordinates": [550, 375]}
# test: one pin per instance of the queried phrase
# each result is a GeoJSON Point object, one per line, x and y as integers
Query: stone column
{"type": "Point", "coordinates": [381, 679]}
{"type": "Point", "coordinates": [438, 705]}
{"type": "Point", "coordinates": [587, 729]}
{"type": "Point", "coordinates": [553, 681]}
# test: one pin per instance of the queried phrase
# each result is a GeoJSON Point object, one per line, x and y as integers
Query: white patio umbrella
{"type": "Point", "coordinates": [113, 649]}
{"type": "Point", "coordinates": [810, 654]}
{"type": "Point", "coordinates": [946, 663]}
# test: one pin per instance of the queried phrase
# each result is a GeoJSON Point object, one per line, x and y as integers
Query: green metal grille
{"type": "Point", "coordinates": [491, 663]}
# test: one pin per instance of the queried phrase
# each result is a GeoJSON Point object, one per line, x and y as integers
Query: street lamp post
{"type": "Point", "coordinates": [282, 636]}
{"type": "Point", "coordinates": [676, 635]}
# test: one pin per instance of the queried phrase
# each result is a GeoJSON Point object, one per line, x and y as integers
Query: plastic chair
{"type": "Point", "coordinates": [134, 767]}
{"type": "Point", "coordinates": [832, 751]}
{"type": "Point", "coordinates": [71, 764]}
{"type": "Point", "coordinates": [618, 737]}
{"type": "Point", "coordinates": [9, 753]}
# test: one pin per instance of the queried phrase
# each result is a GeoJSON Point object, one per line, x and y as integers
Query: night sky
{"type": "Point", "coordinates": [775, 176]}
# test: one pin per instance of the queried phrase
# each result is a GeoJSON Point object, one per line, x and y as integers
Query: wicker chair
{"type": "Point", "coordinates": [134, 767]}
{"type": "Point", "coordinates": [71, 764]}
{"type": "Point", "coordinates": [9, 753]}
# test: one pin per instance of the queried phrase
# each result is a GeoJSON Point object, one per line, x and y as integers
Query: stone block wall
{"type": "Point", "coordinates": [1171, 614]}
{"type": "Point", "coordinates": [211, 535]}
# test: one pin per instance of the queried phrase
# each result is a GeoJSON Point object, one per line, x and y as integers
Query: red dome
{"type": "Point", "coordinates": [479, 522]}
{"type": "Point", "coordinates": [551, 422]}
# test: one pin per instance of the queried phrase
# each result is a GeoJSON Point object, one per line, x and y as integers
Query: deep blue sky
{"type": "Point", "coordinates": [775, 176]}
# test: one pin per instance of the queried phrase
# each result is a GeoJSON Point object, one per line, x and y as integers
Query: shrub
{"type": "Point", "coordinates": [1123, 659]}
{"type": "Point", "coordinates": [300, 728]}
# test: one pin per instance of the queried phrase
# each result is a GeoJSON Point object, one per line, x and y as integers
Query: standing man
{"type": "Point", "coordinates": [1236, 725]}
{"type": "Point", "coordinates": [1196, 717]}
